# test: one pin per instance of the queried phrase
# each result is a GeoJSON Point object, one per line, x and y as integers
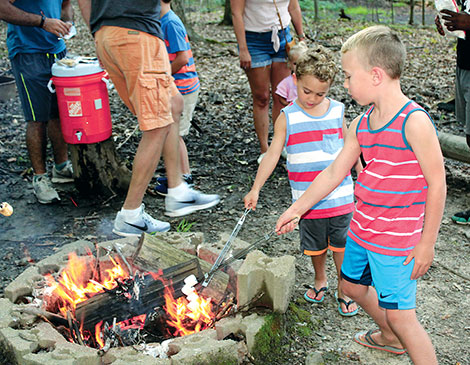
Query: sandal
{"type": "Point", "coordinates": [347, 304]}
{"type": "Point", "coordinates": [317, 291]}
{"type": "Point", "coordinates": [364, 338]}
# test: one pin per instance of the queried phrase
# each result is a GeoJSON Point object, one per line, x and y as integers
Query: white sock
{"type": "Point", "coordinates": [131, 214]}
{"type": "Point", "coordinates": [181, 192]}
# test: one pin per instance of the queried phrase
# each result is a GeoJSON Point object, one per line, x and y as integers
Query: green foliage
{"type": "Point", "coordinates": [184, 226]}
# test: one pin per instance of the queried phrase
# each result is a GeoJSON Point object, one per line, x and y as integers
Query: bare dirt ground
{"type": "Point", "coordinates": [223, 161]}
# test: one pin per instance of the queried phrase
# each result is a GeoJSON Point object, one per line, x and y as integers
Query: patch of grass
{"type": "Point", "coordinates": [184, 226]}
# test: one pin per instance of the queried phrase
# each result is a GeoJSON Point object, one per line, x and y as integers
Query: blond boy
{"type": "Point", "coordinates": [389, 244]}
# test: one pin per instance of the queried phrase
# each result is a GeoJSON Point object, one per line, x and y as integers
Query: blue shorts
{"type": "Point", "coordinates": [32, 73]}
{"type": "Point", "coordinates": [261, 48]}
{"type": "Point", "coordinates": [391, 279]}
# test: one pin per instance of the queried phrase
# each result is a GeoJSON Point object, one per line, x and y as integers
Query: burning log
{"type": "Point", "coordinates": [153, 253]}
{"type": "Point", "coordinates": [133, 297]}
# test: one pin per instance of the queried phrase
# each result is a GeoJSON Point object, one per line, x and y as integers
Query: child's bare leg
{"type": "Point", "coordinates": [366, 297]}
{"type": "Point", "coordinates": [338, 259]}
{"type": "Point", "coordinates": [413, 336]}
{"type": "Point", "coordinates": [319, 262]}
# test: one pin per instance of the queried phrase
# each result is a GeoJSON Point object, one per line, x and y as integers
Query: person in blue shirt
{"type": "Point", "coordinates": [34, 41]}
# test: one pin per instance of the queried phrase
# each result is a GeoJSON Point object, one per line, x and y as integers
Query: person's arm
{"type": "Point", "coordinates": [13, 15]}
{"type": "Point", "coordinates": [67, 11]}
{"type": "Point", "coordinates": [238, 8]}
{"type": "Point", "coordinates": [268, 163]}
{"type": "Point", "coordinates": [180, 60]}
{"type": "Point", "coordinates": [422, 138]}
{"type": "Point", "coordinates": [358, 165]}
{"type": "Point", "coordinates": [85, 9]}
{"type": "Point", "coordinates": [296, 17]}
{"type": "Point", "coordinates": [324, 183]}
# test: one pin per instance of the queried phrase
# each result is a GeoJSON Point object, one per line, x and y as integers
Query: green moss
{"type": "Point", "coordinates": [268, 347]}
{"type": "Point", "coordinates": [219, 358]}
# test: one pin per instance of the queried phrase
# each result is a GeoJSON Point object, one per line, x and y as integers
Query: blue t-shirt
{"type": "Point", "coordinates": [26, 39]}
{"type": "Point", "coordinates": [176, 40]}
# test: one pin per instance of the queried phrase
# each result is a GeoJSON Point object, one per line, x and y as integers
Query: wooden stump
{"type": "Point", "coordinates": [97, 168]}
{"type": "Point", "coordinates": [454, 147]}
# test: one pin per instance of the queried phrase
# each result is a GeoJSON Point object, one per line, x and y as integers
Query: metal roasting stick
{"type": "Point", "coordinates": [245, 251]}
{"type": "Point", "coordinates": [208, 277]}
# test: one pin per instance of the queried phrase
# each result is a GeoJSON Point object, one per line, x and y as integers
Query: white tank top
{"type": "Point", "coordinates": [261, 15]}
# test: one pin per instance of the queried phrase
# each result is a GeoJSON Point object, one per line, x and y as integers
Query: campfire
{"type": "Point", "coordinates": [106, 303]}
{"type": "Point", "coordinates": [131, 300]}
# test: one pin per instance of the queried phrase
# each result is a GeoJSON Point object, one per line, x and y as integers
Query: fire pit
{"type": "Point", "coordinates": [109, 303]}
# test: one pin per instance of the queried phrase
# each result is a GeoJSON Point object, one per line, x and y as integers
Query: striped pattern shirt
{"type": "Point", "coordinates": [391, 190]}
{"type": "Point", "coordinates": [176, 40]}
{"type": "Point", "coordinates": [312, 143]}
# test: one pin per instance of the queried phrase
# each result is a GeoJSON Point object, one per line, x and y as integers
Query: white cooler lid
{"type": "Point", "coordinates": [80, 69]}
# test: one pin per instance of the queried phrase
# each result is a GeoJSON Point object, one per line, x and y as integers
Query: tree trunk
{"type": "Point", "coordinates": [423, 12]}
{"type": "Point", "coordinates": [412, 12]}
{"type": "Point", "coordinates": [178, 6]}
{"type": "Point", "coordinates": [392, 14]}
{"type": "Point", "coordinates": [98, 170]}
{"type": "Point", "coordinates": [316, 16]}
{"type": "Point", "coordinates": [454, 147]}
{"type": "Point", "coordinates": [227, 19]}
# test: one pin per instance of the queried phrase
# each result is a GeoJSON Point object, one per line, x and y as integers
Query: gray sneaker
{"type": "Point", "coordinates": [197, 201]}
{"type": "Point", "coordinates": [63, 176]}
{"type": "Point", "coordinates": [43, 190]}
{"type": "Point", "coordinates": [143, 223]}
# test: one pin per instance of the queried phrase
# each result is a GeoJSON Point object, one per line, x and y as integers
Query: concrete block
{"type": "Point", "coordinates": [23, 284]}
{"type": "Point", "coordinates": [47, 336]}
{"type": "Point", "coordinates": [6, 316]}
{"type": "Point", "coordinates": [202, 347]}
{"type": "Point", "coordinates": [249, 326]}
{"type": "Point", "coordinates": [12, 341]}
{"type": "Point", "coordinates": [273, 275]}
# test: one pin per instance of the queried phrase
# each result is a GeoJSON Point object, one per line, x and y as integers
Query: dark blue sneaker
{"type": "Point", "coordinates": [162, 184]}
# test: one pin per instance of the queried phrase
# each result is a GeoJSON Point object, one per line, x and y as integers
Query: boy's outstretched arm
{"type": "Point", "coordinates": [422, 138]}
{"type": "Point", "coordinates": [268, 163]}
{"type": "Point", "coordinates": [324, 183]}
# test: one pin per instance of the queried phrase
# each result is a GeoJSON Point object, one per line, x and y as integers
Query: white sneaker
{"type": "Point", "coordinates": [43, 189]}
{"type": "Point", "coordinates": [63, 176]}
{"type": "Point", "coordinates": [195, 201]}
{"type": "Point", "coordinates": [143, 223]}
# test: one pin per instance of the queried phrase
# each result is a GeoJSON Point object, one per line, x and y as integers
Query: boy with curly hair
{"type": "Point", "coordinates": [311, 129]}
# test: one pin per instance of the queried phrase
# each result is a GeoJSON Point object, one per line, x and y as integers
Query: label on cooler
{"type": "Point", "coordinates": [98, 104]}
{"type": "Point", "coordinates": [72, 91]}
{"type": "Point", "coordinates": [74, 108]}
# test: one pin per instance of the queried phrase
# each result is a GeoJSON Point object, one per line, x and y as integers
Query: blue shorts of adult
{"type": "Point", "coordinates": [387, 274]}
{"type": "Point", "coordinates": [32, 73]}
{"type": "Point", "coordinates": [261, 49]}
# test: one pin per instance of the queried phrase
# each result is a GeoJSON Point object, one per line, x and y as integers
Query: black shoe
{"type": "Point", "coordinates": [162, 184]}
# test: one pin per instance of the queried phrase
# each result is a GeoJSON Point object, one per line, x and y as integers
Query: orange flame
{"type": "Point", "coordinates": [187, 317]}
{"type": "Point", "coordinates": [75, 286]}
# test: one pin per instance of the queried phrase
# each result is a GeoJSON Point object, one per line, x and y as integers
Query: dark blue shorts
{"type": "Point", "coordinates": [261, 48]}
{"type": "Point", "coordinates": [387, 274]}
{"type": "Point", "coordinates": [32, 72]}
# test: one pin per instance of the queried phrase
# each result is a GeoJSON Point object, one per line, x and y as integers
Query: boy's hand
{"type": "Point", "coordinates": [251, 199]}
{"type": "Point", "coordinates": [423, 255]}
{"type": "Point", "coordinates": [287, 222]}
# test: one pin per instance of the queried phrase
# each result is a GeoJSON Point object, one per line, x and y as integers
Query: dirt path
{"type": "Point", "coordinates": [223, 161]}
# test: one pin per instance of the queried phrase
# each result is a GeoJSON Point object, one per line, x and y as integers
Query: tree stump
{"type": "Point", "coordinates": [454, 147]}
{"type": "Point", "coordinates": [97, 168]}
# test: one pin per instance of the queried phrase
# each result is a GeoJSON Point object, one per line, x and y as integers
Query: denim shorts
{"type": "Point", "coordinates": [261, 48]}
{"type": "Point", "coordinates": [391, 279]}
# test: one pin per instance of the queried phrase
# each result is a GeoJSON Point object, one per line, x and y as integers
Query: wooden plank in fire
{"type": "Point", "coordinates": [135, 296]}
{"type": "Point", "coordinates": [153, 253]}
